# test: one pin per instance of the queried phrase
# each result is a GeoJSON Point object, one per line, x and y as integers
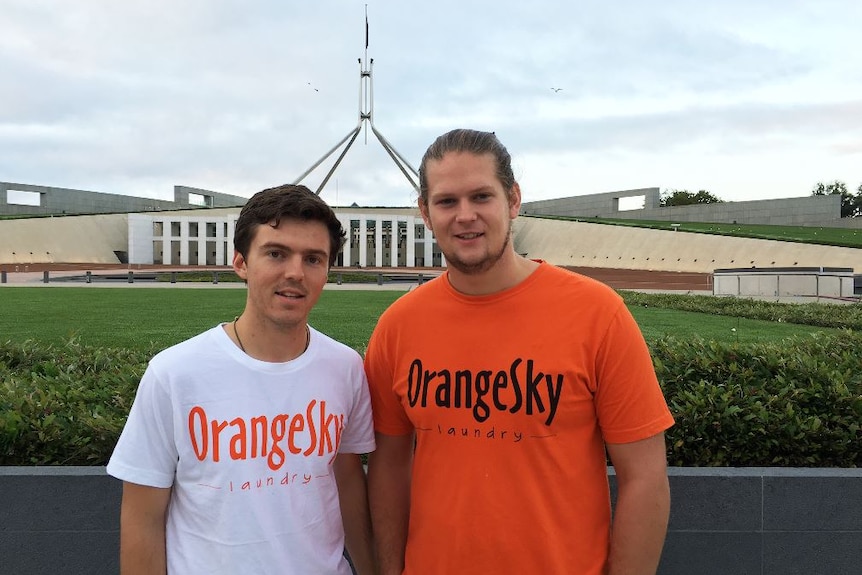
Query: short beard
{"type": "Point", "coordinates": [485, 264]}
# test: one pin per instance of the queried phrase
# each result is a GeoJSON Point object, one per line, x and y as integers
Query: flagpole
{"type": "Point", "coordinates": [366, 114]}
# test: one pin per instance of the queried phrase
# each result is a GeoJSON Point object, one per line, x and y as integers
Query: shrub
{"type": "Point", "coordinates": [798, 403]}
{"type": "Point", "coordinates": [795, 403]}
{"type": "Point", "coordinates": [817, 314]}
{"type": "Point", "coordinates": [64, 405]}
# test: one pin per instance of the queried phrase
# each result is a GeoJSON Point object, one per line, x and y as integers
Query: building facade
{"type": "Point", "coordinates": [374, 239]}
{"type": "Point", "coordinates": [49, 200]}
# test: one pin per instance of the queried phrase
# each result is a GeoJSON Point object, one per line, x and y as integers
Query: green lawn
{"type": "Point", "coordinates": [657, 322]}
{"type": "Point", "coordinates": [806, 234]}
{"type": "Point", "coordinates": [154, 318]}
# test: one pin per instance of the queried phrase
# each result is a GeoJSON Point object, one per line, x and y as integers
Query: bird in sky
{"type": "Point", "coordinates": [556, 89]}
{"type": "Point", "coordinates": [315, 89]}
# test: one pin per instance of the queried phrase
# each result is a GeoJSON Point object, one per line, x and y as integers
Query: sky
{"type": "Point", "coordinates": [747, 99]}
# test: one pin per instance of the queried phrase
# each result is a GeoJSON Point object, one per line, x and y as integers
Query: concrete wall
{"type": "Point", "coordinates": [568, 243]}
{"type": "Point", "coordinates": [762, 521]}
{"type": "Point", "coordinates": [64, 201]}
{"type": "Point", "coordinates": [605, 205]}
{"type": "Point", "coordinates": [828, 283]}
{"type": "Point", "coordinates": [95, 238]}
{"type": "Point", "coordinates": [67, 239]}
{"type": "Point", "coordinates": [59, 520]}
{"type": "Point", "coordinates": [810, 210]}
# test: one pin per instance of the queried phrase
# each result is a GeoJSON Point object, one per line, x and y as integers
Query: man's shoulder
{"type": "Point", "coordinates": [570, 279]}
{"type": "Point", "coordinates": [333, 347]}
{"type": "Point", "coordinates": [416, 298]}
{"type": "Point", "coordinates": [189, 347]}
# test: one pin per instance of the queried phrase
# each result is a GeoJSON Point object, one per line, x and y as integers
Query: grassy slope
{"type": "Point", "coordinates": [813, 235]}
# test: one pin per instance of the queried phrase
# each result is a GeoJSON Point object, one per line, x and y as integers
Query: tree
{"type": "Point", "coordinates": [686, 198]}
{"type": "Point", "coordinates": [851, 205]}
{"type": "Point", "coordinates": [857, 203]}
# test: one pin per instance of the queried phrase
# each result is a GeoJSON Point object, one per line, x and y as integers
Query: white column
{"type": "Point", "coordinates": [378, 241]}
{"type": "Point", "coordinates": [231, 225]}
{"type": "Point", "coordinates": [167, 242]}
{"type": "Point", "coordinates": [363, 241]}
{"type": "Point", "coordinates": [345, 251]}
{"type": "Point", "coordinates": [202, 242]}
{"type": "Point", "coordinates": [163, 238]}
{"type": "Point", "coordinates": [184, 241]}
{"type": "Point", "coordinates": [393, 242]}
{"type": "Point", "coordinates": [428, 244]}
{"type": "Point", "coordinates": [411, 241]}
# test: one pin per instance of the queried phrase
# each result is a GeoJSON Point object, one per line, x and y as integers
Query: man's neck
{"type": "Point", "coordinates": [269, 343]}
{"type": "Point", "coordinates": [508, 272]}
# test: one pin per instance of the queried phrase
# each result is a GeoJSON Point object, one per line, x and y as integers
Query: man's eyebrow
{"type": "Point", "coordinates": [480, 189]}
{"type": "Point", "coordinates": [287, 248]}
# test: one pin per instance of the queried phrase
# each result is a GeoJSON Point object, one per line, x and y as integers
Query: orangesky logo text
{"type": "Point", "coordinates": [314, 432]}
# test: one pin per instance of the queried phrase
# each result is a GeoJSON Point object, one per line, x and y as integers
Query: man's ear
{"type": "Point", "coordinates": [514, 201]}
{"type": "Point", "coordinates": [423, 209]}
{"type": "Point", "coordinates": [239, 266]}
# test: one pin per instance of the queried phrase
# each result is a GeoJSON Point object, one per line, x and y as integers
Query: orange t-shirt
{"type": "Point", "coordinates": [512, 397]}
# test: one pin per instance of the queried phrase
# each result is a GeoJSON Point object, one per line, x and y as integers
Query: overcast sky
{"type": "Point", "coordinates": [747, 99]}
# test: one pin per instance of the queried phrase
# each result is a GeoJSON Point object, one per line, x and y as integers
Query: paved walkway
{"type": "Point", "coordinates": [74, 278]}
{"type": "Point", "coordinates": [635, 280]}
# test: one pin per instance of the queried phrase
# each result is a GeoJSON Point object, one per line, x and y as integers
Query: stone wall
{"type": "Point", "coordinates": [764, 521]}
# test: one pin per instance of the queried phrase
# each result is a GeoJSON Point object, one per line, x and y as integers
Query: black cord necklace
{"type": "Point", "coordinates": [236, 333]}
{"type": "Point", "coordinates": [242, 347]}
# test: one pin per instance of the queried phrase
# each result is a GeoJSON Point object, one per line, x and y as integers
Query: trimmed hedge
{"type": "Point", "coordinates": [794, 403]}
{"type": "Point", "coordinates": [817, 314]}
{"type": "Point", "coordinates": [64, 405]}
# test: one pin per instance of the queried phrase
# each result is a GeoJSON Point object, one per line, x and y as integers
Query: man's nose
{"type": "Point", "coordinates": [293, 267]}
{"type": "Point", "coordinates": [465, 211]}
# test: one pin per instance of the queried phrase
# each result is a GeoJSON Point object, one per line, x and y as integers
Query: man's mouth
{"type": "Point", "coordinates": [469, 236]}
{"type": "Point", "coordinates": [291, 294]}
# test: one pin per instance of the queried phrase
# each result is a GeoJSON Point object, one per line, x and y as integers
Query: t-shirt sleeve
{"type": "Point", "coordinates": [359, 433]}
{"type": "Point", "coordinates": [630, 404]}
{"type": "Point", "coordinates": [389, 415]}
{"type": "Point", "coordinates": [146, 453]}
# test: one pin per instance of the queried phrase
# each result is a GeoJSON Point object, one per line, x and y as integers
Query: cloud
{"type": "Point", "coordinates": [134, 97]}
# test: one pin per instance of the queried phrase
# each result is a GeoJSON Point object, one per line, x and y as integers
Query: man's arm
{"type": "Point", "coordinates": [143, 513]}
{"type": "Point", "coordinates": [643, 506]}
{"type": "Point", "coordinates": [353, 498]}
{"type": "Point", "coordinates": [389, 471]}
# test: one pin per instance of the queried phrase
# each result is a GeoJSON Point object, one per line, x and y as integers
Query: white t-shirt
{"type": "Point", "coordinates": [247, 448]}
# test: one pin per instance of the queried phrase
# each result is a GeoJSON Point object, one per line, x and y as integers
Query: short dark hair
{"type": "Point", "coordinates": [475, 142]}
{"type": "Point", "coordinates": [271, 205]}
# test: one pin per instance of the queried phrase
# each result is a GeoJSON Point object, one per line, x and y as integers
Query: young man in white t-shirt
{"type": "Point", "coordinates": [241, 451]}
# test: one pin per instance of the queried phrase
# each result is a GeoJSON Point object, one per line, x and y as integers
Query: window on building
{"type": "Point", "coordinates": [158, 257]}
{"type": "Point", "coordinates": [23, 198]}
{"type": "Point", "coordinates": [199, 200]}
{"type": "Point", "coordinates": [631, 203]}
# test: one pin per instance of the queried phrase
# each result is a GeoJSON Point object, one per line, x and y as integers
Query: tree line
{"type": "Point", "coordinates": [851, 204]}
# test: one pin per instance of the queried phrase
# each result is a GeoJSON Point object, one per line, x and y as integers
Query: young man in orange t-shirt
{"type": "Point", "coordinates": [497, 389]}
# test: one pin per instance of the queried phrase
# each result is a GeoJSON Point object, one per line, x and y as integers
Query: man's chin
{"type": "Point", "coordinates": [471, 267]}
